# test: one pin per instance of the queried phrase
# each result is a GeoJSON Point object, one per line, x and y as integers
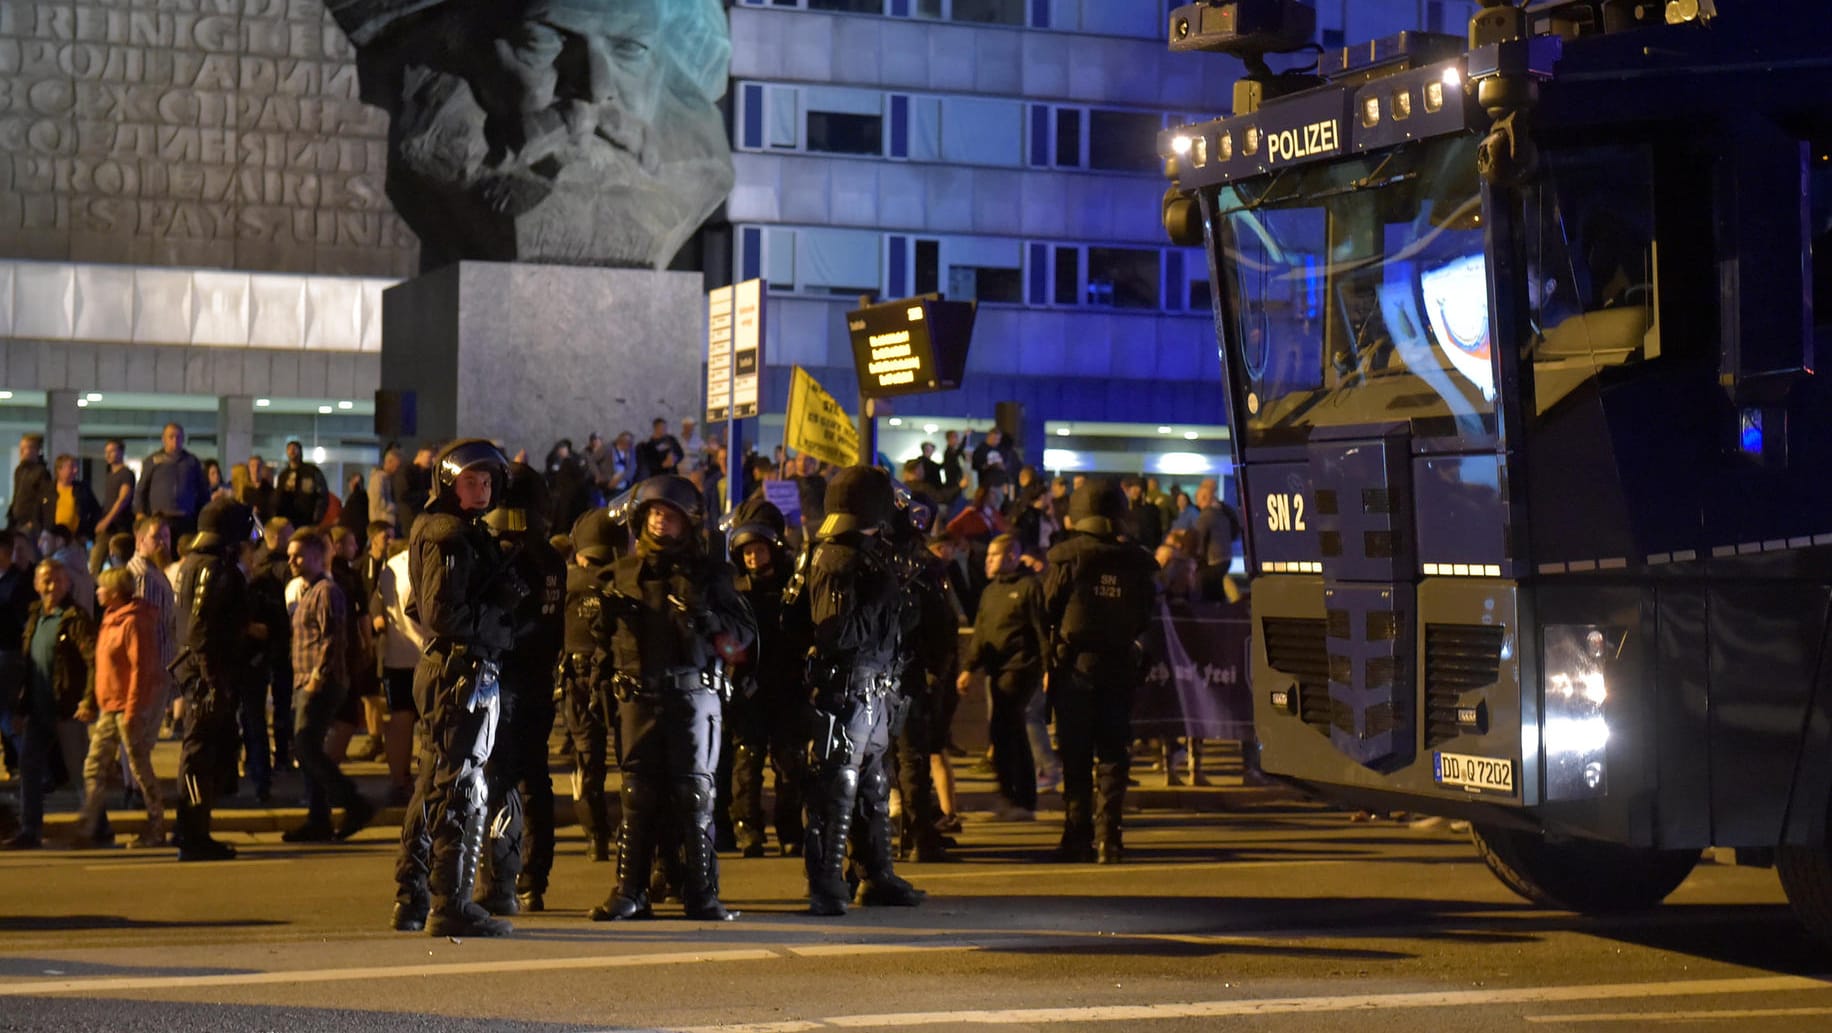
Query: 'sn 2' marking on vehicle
{"type": "Point", "coordinates": [1285, 512]}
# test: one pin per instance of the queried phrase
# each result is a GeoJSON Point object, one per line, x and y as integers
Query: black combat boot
{"type": "Point", "coordinates": [1077, 845]}
{"type": "Point", "coordinates": [454, 912]}
{"type": "Point", "coordinates": [882, 887]}
{"type": "Point", "coordinates": [1109, 805]}
{"type": "Point", "coordinates": [829, 824]}
{"type": "Point", "coordinates": [700, 889]}
{"type": "Point", "coordinates": [599, 829]}
{"type": "Point", "coordinates": [197, 844]}
{"type": "Point", "coordinates": [747, 799]}
{"type": "Point", "coordinates": [629, 899]}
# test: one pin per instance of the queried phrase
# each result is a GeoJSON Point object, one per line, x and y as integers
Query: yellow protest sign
{"type": "Point", "coordinates": [817, 424]}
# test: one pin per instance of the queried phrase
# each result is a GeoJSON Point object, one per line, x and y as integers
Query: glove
{"type": "Point", "coordinates": [507, 592]}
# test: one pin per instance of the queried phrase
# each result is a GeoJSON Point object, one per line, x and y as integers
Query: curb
{"type": "Point", "coordinates": [257, 820]}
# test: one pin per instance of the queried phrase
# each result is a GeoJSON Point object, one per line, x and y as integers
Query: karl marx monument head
{"type": "Point", "coordinates": [576, 132]}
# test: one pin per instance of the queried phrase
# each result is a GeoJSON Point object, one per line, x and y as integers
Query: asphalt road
{"type": "Point", "coordinates": [1278, 918]}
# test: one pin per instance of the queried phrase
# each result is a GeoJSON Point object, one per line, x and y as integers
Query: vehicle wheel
{"type": "Point", "coordinates": [1585, 876]}
{"type": "Point", "coordinates": [1806, 878]}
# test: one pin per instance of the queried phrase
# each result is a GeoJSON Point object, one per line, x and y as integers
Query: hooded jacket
{"type": "Point", "coordinates": [128, 674]}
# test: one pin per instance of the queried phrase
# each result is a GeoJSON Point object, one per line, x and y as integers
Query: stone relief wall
{"type": "Point", "coordinates": [214, 133]}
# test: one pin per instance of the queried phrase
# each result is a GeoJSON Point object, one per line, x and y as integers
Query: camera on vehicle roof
{"type": "Point", "coordinates": [1242, 26]}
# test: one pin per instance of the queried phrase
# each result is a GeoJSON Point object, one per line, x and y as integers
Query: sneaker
{"type": "Point", "coordinates": [148, 841]}
{"type": "Point", "coordinates": [23, 841]}
{"type": "Point", "coordinates": [1049, 781]}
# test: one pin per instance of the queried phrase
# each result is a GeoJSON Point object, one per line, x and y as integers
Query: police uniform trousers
{"type": "Point", "coordinates": [669, 752]}
{"type": "Point", "coordinates": [1012, 761]}
{"type": "Point", "coordinates": [205, 759]}
{"type": "Point", "coordinates": [849, 797]}
{"type": "Point", "coordinates": [918, 739]}
{"type": "Point", "coordinates": [589, 709]}
{"type": "Point", "coordinates": [442, 835]}
{"type": "Point", "coordinates": [1092, 699]}
{"type": "Point", "coordinates": [769, 727]}
{"type": "Point", "coordinates": [521, 785]}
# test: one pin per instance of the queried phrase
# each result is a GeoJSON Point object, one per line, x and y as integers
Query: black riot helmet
{"type": "Point", "coordinates": [677, 493]}
{"type": "Point", "coordinates": [757, 520]}
{"type": "Point", "coordinates": [859, 498]}
{"type": "Point", "coordinates": [469, 454]}
{"type": "Point", "coordinates": [1097, 507]}
{"type": "Point", "coordinates": [224, 523]}
{"type": "Point", "coordinates": [523, 508]}
{"type": "Point", "coordinates": [598, 537]}
{"type": "Point", "coordinates": [916, 508]}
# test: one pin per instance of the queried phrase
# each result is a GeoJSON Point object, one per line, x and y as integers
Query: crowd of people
{"type": "Point", "coordinates": [265, 620]}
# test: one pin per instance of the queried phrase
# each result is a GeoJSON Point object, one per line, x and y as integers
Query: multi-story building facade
{"type": "Point", "coordinates": [1002, 151]}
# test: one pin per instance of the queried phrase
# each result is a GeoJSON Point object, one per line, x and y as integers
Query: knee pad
{"type": "Point", "coordinates": [473, 788]}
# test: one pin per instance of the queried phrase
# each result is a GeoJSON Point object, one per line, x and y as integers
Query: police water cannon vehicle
{"type": "Point", "coordinates": [1518, 337]}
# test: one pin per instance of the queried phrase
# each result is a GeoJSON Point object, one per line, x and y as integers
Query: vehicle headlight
{"type": "Point", "coordinates": [1574, 708]}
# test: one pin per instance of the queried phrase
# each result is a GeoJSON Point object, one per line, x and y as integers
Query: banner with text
{"type": "Point", "coordinates": [817, 424]}
{"type": "Point", "coordinates": [1195, 680]}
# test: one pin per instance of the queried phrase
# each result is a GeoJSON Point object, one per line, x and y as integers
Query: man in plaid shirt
{"type": "Point", "coordinates": [321, 677]}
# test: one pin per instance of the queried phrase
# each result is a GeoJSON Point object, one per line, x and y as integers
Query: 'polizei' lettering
{"type": "Point", "coordinates": [1304, 141]}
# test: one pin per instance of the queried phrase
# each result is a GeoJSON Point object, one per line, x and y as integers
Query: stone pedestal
{"type": "Point", "coordinates": [528, 354]}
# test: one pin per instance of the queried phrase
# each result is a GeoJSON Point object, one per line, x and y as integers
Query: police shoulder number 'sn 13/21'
{"type": "Point", "coordinates": [1285, 512]}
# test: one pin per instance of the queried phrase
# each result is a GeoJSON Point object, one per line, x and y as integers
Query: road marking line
{"type": "Point", "coordinates": [1682, 1016]}
{"type": "Point", "coordinates": [1288, 1005]}
{"type": "Point", "coordinates": [334, 975]}
{"type": "Point", "coordinates": [848, 950]}
{"type": "Point", "coordinates": [170, 864]}
{"type": "Point", "coordinates": [1052, 871]}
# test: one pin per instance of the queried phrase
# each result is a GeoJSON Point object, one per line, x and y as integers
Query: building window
{"type": "Point", "coordinates": [990, 12]}
{"type": "Point", "coordinates": [847, 6]}
{"type": "Point", "coordinates": [843, 121]}
{"type": "Point", "coordinates": [982, 132]}
{"type": "Point", "coordinates": [985, 269]}
{"type": "Point", "coordinates": [1123, 277]}
{"type": "Point", "coordinates": [1123, 141]}
{"type": "Point", "coordinates": [928, 266]}
{"type": "Point", "coordinates": [833, 132]}
{"type": "Point", "coordinates": [842, 262]}
{"type": "Point", "coordinates": [1068, 275]}
{"type": "Point", "coordinates": [1068, 137]}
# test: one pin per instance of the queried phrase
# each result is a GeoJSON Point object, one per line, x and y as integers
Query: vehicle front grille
{"type": "Point", "coordinates": [1459, 658]}
{"type": "Point", "coordinates": [1298, 647]}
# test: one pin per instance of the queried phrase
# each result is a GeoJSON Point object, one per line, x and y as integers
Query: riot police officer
{"type": "Point", "coordinates": [856, 601]}
{"type": "Point", "coordinates": [1098, 596]}
{"type": "Point", "coordinates": [212, 603]}
{"type": "Point", "coordinates": [930, 657]}
{"type": "Point", "coordinates": [768, 717]}
{"type": "Point", "coordinates": [465, 593]}
{"type": "Point", "coordinates": [679, 626]}
{"type": "Point", "coordinates": [584, 675]}
{"type": "Point", "coordinates": [520, 785]}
